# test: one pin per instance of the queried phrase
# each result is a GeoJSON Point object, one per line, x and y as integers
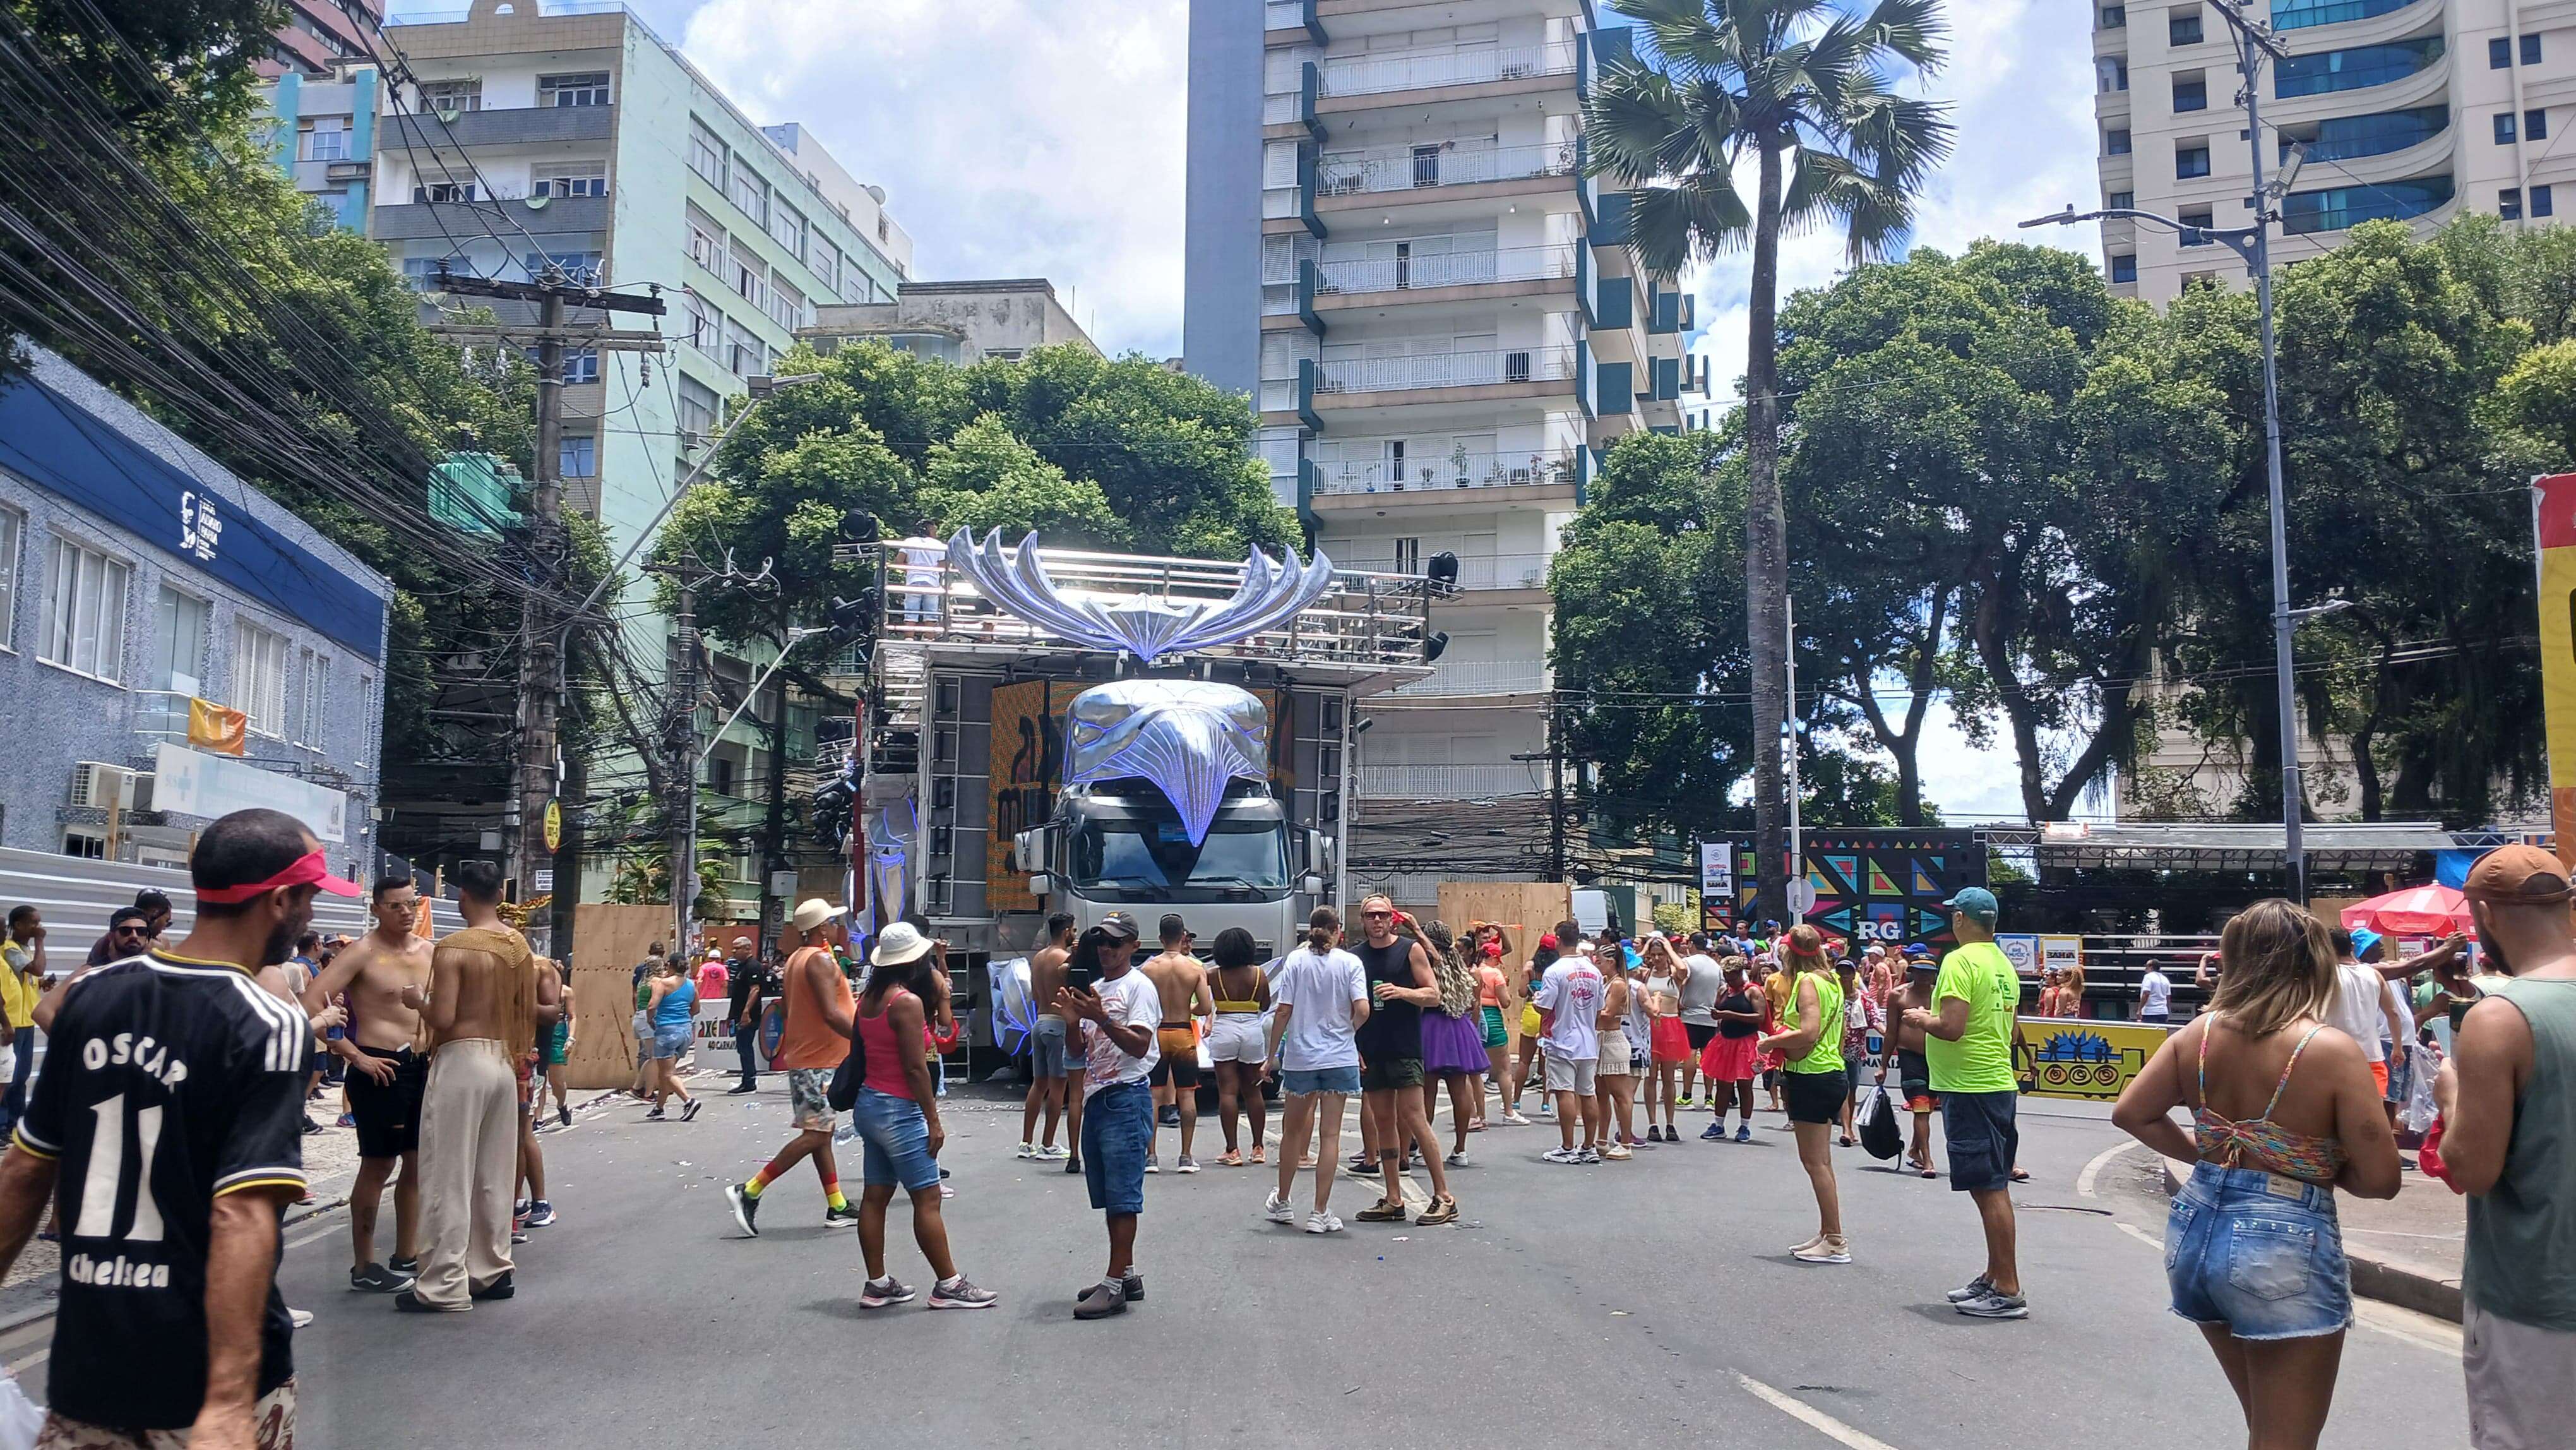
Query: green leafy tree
{"type": "Point", "coordinates": [1805, 92]}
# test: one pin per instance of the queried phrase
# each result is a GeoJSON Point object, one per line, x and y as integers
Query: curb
{"type": "Point", "coordinates": [2389, 1284]}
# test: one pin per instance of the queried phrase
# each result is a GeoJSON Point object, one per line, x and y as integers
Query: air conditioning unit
{"type": "Point", "coordinates": [100, 786]}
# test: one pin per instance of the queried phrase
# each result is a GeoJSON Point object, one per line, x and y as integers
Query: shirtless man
{"type": "Point", "coordinates": [386, 1071]}
{"type": "Point", "coordinates": [1048, 1084]}
{"type": "Point", "coordinates": [487, 997]}
{"type": "Point", "coordinates": [1913, 1069]}
{"type": "Point", "coordinates": [1180, 979]}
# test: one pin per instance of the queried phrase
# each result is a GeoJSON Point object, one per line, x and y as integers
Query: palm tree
{"type": "Point", "coordinates": [1806, 91]}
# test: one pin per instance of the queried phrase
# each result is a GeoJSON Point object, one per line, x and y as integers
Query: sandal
{"type": "Point", "coordinates": [2021, 1175]}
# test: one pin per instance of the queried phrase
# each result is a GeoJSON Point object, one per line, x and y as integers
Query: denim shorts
{"type": "Point", "coordinates": [894, 1139]}
{"type": "Point", "coordinates": [1117, 1133]}
{"type": "Point", "coordinates": [2258, 1255]}
{"type": "Point", "coordinates": [1983, 1134]}
{"type": "Point", "coordinates": [671, 1042]}
{"type": "Point", "coordinates": [1298, 1082]}
{"type": "Point", "coordinates": [1046, 1048]}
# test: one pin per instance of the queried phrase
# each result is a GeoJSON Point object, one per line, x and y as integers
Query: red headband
{"type": "Point", "coordinates": [303, 870]}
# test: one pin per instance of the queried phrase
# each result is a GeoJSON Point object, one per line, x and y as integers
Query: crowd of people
{"type": "Point", "coordinates": [202, 1054]}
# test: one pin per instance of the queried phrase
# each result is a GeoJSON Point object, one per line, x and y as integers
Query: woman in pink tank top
{"type": "Point", "coordinates": [897, 1117]}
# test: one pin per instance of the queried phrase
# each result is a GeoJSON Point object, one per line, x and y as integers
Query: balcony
{"type": "Point", "coordinates": [1609, 303]}
{"type": "Point", "coordinates": [1378, 75]}
{"type": "Point", "coordinates": [1290, 22]}
{"type": "Point", "coordinates": [1606, 389]}
{"type": "Point", "coordinates": [1286, 210]}
{"type": "Point", "coordinates": [1451, 474]}
{"type": "Point", "coordinates": [1445, 370]}
{"type": "Point", "coordinates": [1445, 269]}
{"type": "Point", "coordinates": [1671, 311]}
{"type": "Point", "coordinates": [1599, 48]}
{"type": "Point", "coordinates": [1287, 401]}
{"type": "Point", "coordinates": [1447, 782]}
{"type": "Point", "coordinates": [1481, 573]}
{"type": "Point", "coordinates": [1290, 303]}
{"type": "Point", "coordinates": [554, 216]}
{"type": "Point", "coordinates": [1289, 116]}
{"type": "Point", "coordinates": [1453, 678]}
{"type": "Point", "coordinates": [1605, 213]}
{"type": "Point", "coordinates": [508, 126]}
{"type": "Point", "coordinates": [1438, 166]}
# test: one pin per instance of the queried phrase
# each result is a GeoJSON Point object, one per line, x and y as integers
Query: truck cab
{"type": "Point", "coordinates": [1127, 849]}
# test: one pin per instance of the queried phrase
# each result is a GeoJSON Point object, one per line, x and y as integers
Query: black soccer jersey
{"type": "Point", "coordinates": [167, 1082]}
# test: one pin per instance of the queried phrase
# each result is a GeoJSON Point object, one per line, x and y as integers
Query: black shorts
{"type": "Point", "coordinates": [388, 1114]}
{"type": "Point", "coordinates": [1180, 1069]}
{"type": "Point", "coordinates": [1984, 1137]}
{"type": "Point", "coordinates": [1817, 1097]}
{"type": "Point", "coordinates": [1386, 1074]}
{"type": "Point", "coordinates": [1701, 1034]}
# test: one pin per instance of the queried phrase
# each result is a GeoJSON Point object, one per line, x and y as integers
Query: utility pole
{"type": "Point", "coordinates": [539, 772]}
{"type": "Point", "coordinates": [683, 771]}
{"type": "Point", "coordinates": [1555, 790]}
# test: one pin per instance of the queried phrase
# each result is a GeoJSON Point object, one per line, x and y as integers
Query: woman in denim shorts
{"type": "Point", "coordinates": [2284, 1112]}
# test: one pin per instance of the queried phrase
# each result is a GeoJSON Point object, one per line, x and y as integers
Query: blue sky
{"type": "Point", "coordinates": [1044, 138]}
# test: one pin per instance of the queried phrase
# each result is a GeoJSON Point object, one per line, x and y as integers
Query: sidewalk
{"type": "Point", "coordinates": [2404, 1250]}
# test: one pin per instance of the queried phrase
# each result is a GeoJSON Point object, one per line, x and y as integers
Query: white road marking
{"type": "Point", "coordinates": [2142, 1236]}
{"type": "Point", "coordinates": [2101, 1160]}
{"type": "Point", "coordinates": [2421, 1330]}
{"type": "Point", "coordinates": [1808, 1415]}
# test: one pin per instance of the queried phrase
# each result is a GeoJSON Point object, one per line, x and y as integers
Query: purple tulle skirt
{"type": "Point", "coordinates": [1452, 1044]}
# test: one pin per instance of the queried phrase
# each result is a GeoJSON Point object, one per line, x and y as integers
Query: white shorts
{"type": "Point", "coordinates": [1576, 1075]}
{"type": "Point", "coordinates": [2521, 1382]}
{"type": "Point", "coordinates": [1237, 1037]}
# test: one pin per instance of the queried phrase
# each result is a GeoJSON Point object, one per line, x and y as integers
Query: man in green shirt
{"type": "Point", "coordinates": [1968, 1042]}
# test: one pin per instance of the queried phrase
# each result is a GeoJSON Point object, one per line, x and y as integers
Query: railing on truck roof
{"type": "Point", "coordinates": [1365, 619]}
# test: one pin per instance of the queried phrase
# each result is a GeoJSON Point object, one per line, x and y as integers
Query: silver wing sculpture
{"type": "Point", "coordinates": [1271, 594]}
{"type": "Point", "coordinates": [1188, 737]}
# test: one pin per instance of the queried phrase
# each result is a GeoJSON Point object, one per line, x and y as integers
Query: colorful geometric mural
{"type": "Point", "coordinates": [1871, 885]}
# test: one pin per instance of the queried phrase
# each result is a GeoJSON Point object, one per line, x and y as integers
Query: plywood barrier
{"type": "Point", "coordinates": [1526, 911]}
{"type": "Point", "coordinates": [610, 940]}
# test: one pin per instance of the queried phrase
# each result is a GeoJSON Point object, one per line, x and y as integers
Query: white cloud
{"type": "Point", "coordinates": [1015, 138]}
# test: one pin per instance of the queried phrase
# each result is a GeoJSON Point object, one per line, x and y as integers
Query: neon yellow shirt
{"type": "Point", "coordinates": [1981, 1060]}
{"type": "Point", "coordinates": [1827, 1055]}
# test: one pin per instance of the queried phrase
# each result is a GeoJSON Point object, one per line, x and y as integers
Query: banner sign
{"type": "Point", "coordinates": [2553, 523]}
{"type": "Point", "coordinates": [2074, 1057]}
{"type": "Point", "coordinates": [193, 783]}
{"type": "Point", "coordinates": [1882, 885]}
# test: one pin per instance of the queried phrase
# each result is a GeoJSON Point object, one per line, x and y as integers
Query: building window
{"type": "Point", "coordinates": [577, 456]}
{"type": "Point", "coordinates": [311, 700]}
{"type": "Point", "coordinates": [259, 677]}
{"type": "Point", "coordinates": [2182, 27]}
{"type": "Point", "coordinates": [744, 353]}
{"type": "Point", "coordinates": [422, 272]}
{"type": "Point", "coordinates": [179, 644]}
{"type": "Point", "coordinates": [706, 243]}
{"type": "Point", "coordinates": [581, 366]}
{"type": "Point", "coordinates": [2121, 201]}
{"type": "Point", "coordinates": [702, 322]}
{"type": "Point", "coordinates": [825, 263]}
{"type": "Point", "coordinates": [2115, 17]}
{"type": "Point", "coordinates": [2124, 267]}
{"type": "Point", "coordinates": [2111, 73]}
{"type": "Point", "coordinates": [2191, 158]}
{"type": "Point", "coordinates": [2541, 202]}
{"type": "Point", "coordinates": [2500, 52]}
{"type": "Point", "coordinates": [2190, 93]}
{"type": "Point", "coordinates": [786, 306]}
{"type": "Point", "coordinates": [442, 191]}
{"type": "Point", "coordinates": [751, 194]}
{"type": "Point", "coordinates": [2196, 217]}
{"type": "Point", "coordinates": [589, 88]}
{"type": "Point", "coordinates": [451, 95]}
{"type": "Point", "coordinates": [2504, 128]}
{"type": "Point", "coordinates": [2191, 280]}
{"type": "Point", "coordinates": [13, 535]}
{"type": "Point", "coordinates": [2509, 203]}
{"type": "Point", "coordinates": [698, 405]}
{"type": "Point", "coordinates": [2115, 142]}
{"type": "Point", "coordinates": [572, 178]}
{"type": "Point", "coordinates": [1004, 354]}
{"type": "Point", "coordinates": [2535, 125]}
{"type": "Point", "coordinates": [84, 625]}
{"type": "Point", "coordinates": [706, 155]}
{"type": "Point", "coordinates": [322, 138]}
{"type": "Point", "coordinates": [749, 276]}
{"type": "Point", "coordinates": [787, 225]}
{"type": "Point", "coordinates": [580, 268]}
{"type": "Point", "coordinates": [2531, 50]}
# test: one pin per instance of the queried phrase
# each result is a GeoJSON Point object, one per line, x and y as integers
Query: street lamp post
{"type": "Point", "coordinates": [2254, 45]}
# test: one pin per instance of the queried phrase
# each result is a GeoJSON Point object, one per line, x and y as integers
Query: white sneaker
{"type": "Point", "coordinates": [1053, 1153]}
{"type": "Point", "coordinates": [1515, 1119]}
{"type": "Point", "coordinates": [1153, 1164]}
{"type": "Point", "coordinates": [1027, 1150]}
{"type": "Point", "coordinates": [1458, 1159]}
{"type": "Point", "coordinates": [1836, 1250]}
{"type": "Point", "coordinates": [1563, 1155]}
{"type": "Point", "coordinates": [1588, 1155]}
{"type": "Point", "coordinates": [1323, 1223]}
{"type": "Point", "coordinates": [1276, 1209]}
{"type": "Point", "coordinates": [1187, 1164]}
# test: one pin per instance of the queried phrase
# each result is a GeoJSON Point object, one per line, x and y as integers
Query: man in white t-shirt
{"type": "Point", "coordinates": [1568, 1001]}
{"type": "Point", "coordinates": [1116, 1015]}
{"type": "Point", "coordinates": [2367, 1009]}
{"type": "Point", "coordinates": [925, 562]}
{"type": "Point", "coordinates": [2155, 996]}
{"type": "Point", "coordinates": [1319, 997]}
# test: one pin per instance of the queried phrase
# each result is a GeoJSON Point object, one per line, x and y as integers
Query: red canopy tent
{"type": "Point", "coordinates": [2434, 910]}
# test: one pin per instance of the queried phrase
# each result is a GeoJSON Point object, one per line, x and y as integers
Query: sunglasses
{"type": "Point", "coordinates": [1377, 916]}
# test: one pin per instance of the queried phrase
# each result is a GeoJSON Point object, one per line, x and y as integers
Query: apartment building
{"type": "Point", "coordinates": [1393, 248]}
{"type": "Point", "coordinates": [956, 322]}
{"type": "Point", "coordinates": [321, 36]}
{"type": "Point", "coordinates": [321, 131]}
{"type": "Point", "coordinates": [2414, 110]}
{"type": "Point", "coordinates": [570, 137]}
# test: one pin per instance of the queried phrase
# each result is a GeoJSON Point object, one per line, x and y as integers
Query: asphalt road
{"type": "Point", "coordinates": [1646, 1302]}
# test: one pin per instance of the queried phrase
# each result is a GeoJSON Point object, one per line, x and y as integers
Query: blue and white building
{"type": "Point", "coordinates": [136, 573]}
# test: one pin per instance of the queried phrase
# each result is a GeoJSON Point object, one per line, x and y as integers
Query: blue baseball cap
{"type": "Point", "coordinates": [1976, 902]}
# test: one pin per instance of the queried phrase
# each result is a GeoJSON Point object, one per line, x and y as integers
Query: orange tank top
{"type": "Point", "coordinates": [806, 1038]}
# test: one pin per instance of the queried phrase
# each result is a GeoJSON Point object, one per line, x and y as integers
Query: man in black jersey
{"type": "Point", "coordinates": [169, 1116]}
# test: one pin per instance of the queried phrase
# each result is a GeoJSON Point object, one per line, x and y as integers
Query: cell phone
{"type": "Point", "coordinates": [1087, 978]}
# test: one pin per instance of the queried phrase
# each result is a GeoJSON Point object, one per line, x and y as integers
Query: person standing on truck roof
{"type": "Point", "coordinates": [1180, 980]}
{"type": "Point", "coordinates": [1049, 1087]}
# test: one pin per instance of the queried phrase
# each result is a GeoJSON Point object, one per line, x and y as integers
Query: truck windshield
{"type": "Point", "coordinates": [1156, 856]}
